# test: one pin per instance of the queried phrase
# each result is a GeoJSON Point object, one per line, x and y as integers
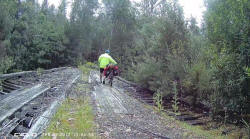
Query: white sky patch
{"type": "Point", "coordinates": [193, 8]}
{"type": "Point", "coordinates": [56, 3]}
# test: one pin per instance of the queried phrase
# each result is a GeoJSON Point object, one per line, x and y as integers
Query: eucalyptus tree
{"type": "Point", "coordinates": [81, 29]}
{"type": "Point", "coordinates": [123, 23]}
{"type": "Point", "coordinates": [227, 28]}
{"type": "Point", "coordinates": [7, 16]}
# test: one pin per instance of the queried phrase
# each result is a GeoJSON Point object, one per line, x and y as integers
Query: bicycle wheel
{"type": "Point", "coordinates": [111, 79]}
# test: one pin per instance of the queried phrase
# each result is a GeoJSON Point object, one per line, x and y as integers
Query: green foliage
{"type": "Point", "coordinates": [5, 64]}
{"type": "Point", "coordinates": [247, 70]}
{"type": "Point", "coordinates": [152, 44]}
{"type": "Point", "coordinates": [209, 70]}
{"type": "Point", "coordinates": [227, 24]}
{"type": "Point", "coordinates": [122, 24]}
{"type": "Point", "coordinates": [175, 98]}
{"type": "Point", "coordinates": [81, 31]}
{"type": "Point", "coordinates": [198, 82]}
{"type": "Point", "coordinates": [158, 101]}
{"type": "Point", "coordinates": [145, 72]}
{"type": "Point", "coordinates": [6, 24]}
{"type": "Point", "coordinates": [91, 65]}
{"type": "Point", "coordinates": [161, 55]}
{"type": "Point", "coordinates": [74, 117]}
{"type": "Point", "coordinates": [39, 71]}
{"type": "Point", "coordinates": [87, 67]}
{"type": "Point", "coordinates": [31, 36]}
{"type": "Point", "coordinates": [230, 85]}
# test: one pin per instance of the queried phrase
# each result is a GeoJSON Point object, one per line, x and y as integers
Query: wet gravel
{"type": "Point", "coordinates": [137, 120]}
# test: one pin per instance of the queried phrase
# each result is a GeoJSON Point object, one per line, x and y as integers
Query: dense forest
{"type": "Point", "coordinates": [153, 43]}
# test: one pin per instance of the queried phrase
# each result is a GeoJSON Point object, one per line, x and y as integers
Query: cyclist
{"type": "Point", "coordinates": [104, 60]}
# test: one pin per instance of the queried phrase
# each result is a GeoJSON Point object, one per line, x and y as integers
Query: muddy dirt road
{"type": "Point", "coordinates": [120, 116]}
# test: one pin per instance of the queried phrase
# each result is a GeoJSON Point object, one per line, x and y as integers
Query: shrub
{"type": "Point", "coordinates": [148, 74]}
{"type": "Point", "coordinates": [232, 84]}
{"type": "Point", "coordinates": [5, 64]}
{"type": "Point", "coordinates": [198, 82]}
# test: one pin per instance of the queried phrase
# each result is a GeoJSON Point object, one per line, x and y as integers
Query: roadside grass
{"type": "Point", "coordinates": [190, 131]}
{"type": "Point", "coordinates": [74, 119]}
{"type": "Point", "coordinates": [86, 68]}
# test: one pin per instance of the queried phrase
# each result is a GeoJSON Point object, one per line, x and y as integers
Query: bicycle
{"type": "Point", "coordinates": [111, 77]}
{"type": "Point", "coordinates": [111, 72]}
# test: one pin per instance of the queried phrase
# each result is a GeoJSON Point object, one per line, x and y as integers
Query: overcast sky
{"type": "Point", "coordinates": [190, 7]}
